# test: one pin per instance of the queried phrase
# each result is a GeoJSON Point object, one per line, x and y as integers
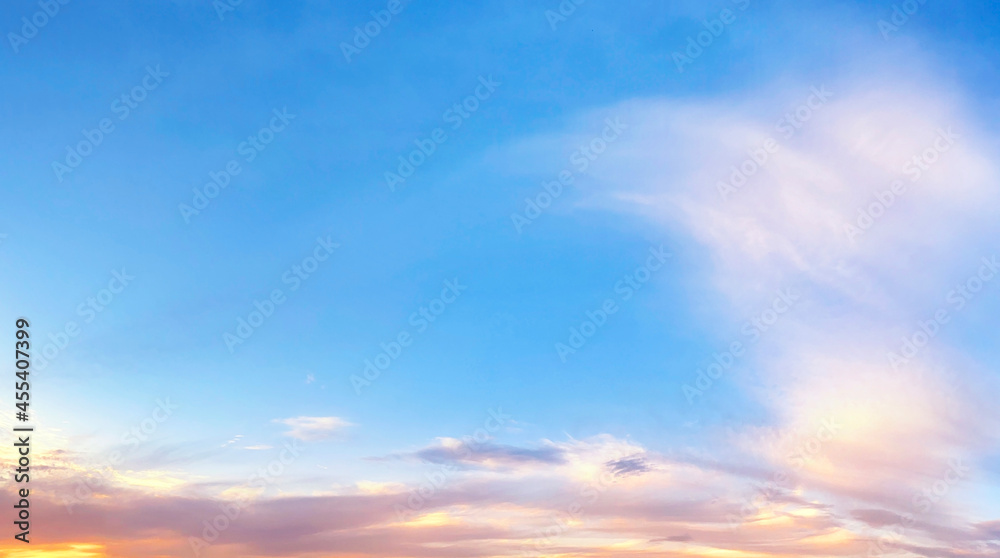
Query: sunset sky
{"type": "Point", "coordinates": [591, 279]}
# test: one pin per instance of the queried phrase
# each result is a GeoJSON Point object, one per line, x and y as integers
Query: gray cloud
{"type": "Point", "coordinates": [631, 465]}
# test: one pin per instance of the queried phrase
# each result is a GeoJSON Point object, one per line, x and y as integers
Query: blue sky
{"type": "Point", "coordinates": [323, 177]}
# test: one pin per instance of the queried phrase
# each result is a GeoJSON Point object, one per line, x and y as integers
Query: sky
{"type": "Point", "coordinates": [579, 279]}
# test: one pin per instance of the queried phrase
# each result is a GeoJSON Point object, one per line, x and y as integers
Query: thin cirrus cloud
{"type": "Point", "coordinates": [815, 217]}
{"type": "Point", "coordinates": [312, 428]}
{"type": "Point", "coordinates": [788, 227]}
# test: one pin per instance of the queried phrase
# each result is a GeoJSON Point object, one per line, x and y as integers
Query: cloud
{"type": "Point", "coordinates": [793, 488]}
{"type": "Point", "coordinates": [312, 428]}
{"type": "Point", "coordinates": [632, 465]}
{"type": "Point", "coordinates": [848, 444]}
{"type": "Point", "coordinates": [872, 210]}
{"type": "Point", "coordinates": [674, 508]}
{"type": "Point", "coordinates": [451, 450]}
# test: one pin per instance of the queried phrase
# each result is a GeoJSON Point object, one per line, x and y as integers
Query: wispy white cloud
{"type": "Point", "coordinates": [791, 223]}
{"type": "Point", "coordinates": [312, 428]}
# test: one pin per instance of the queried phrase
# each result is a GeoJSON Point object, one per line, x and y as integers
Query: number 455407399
{"type": "Point", "coordinates": [22, 362]}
